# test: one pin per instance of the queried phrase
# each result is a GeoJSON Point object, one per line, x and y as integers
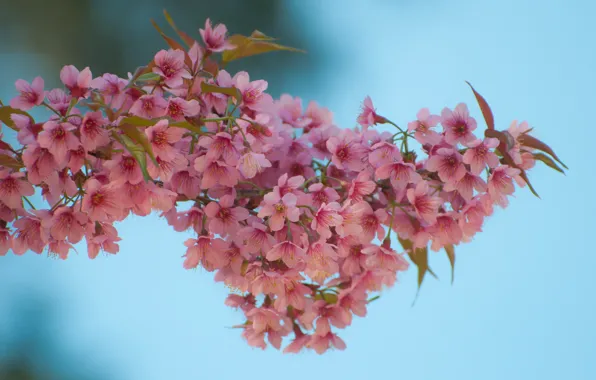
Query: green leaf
{"type": "Point", "coordinates": [188, 126]}
{"type": "Point", "coordinates": [330, 298]}
{"type": "Point", "coordinates": [5, 113]}
{"type": "Point", "coordinates": [533, 142]}
{"type": "Point", "coordinates": [450, 249]}
{"type": "Point", "coordinates": [548, 161]}
{"type": "Point", "coordinates": [485, 108]}
{"type": "Point", "coordinates": [373, 299]}
{"type": "Point", "coordinates": [257, 43]}
{"type": "Point", "coordinates": [189, 41]}
{"type": "Point", "coordinates": [139, 138]}
{"type": "Point", "coordinates": [137, 151]}
{"type": "Point", "coordinates": [149, 77]}
{"type": "Point", "coordinates": [230, 91]}
{"type": "Point", "coordinates": [10, 162]}
{"type": "Point", "coordinates": [419, 257]}
{"type": "Point", "coordinates": [138, 121]}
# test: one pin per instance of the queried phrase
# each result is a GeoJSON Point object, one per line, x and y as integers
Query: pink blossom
{"type": "Point", "coordinates": [27, 130]}
{"type": "Point", "coordinates": [78, 83]}
{"type": "Point", "coordinates": [124, 168]}
{"type": "Point", "coordinates": [347, 151]}
{"type": "Point", "coordinates": [278, 209]}
{"type": "Point", "coordinates": [222, 145]}
{"type": "Point", "coordinates": [322, 343]}
{"type": "Point", "coordinates": [399, 173]}
{"type": "Point", "coordinates": [425, 204]}
{"type": "Point", "coordinates": [320, 117]}
{"type": "Point", "coordinates": [290, 111]}
{"type": "Point", "coordinates": [251, 164]}
{"type": "Point", "coordinates": [39, 162]}
{"type": "Point", "coordinates": [170, 65]}
{"type": "Point", "coordinates": [149, 106]}
{"type": "Point", "coordinates": [215, 38]}
{"type": "Point", "coordinates": [288, 252]}
{"type": "Point", "coordinates": [179, 108]}
{"type": "Point", "coordinates": [360, 187]}
{"type": "Point", "coordinates": [29, 234]}
{"type": "Point", "coordinates": [5, 241]}
{"type": "Point", "coordinates": [224, 217]}
{"type": "Point", "coordinates": [215, 172]}
{"type": "Point", "coordinates": [66, 223]}
{"type": "Point", "coordinates": [101, 237]}
{"type": "Point", "coordinates": [93, 133]}
{"type": "Point", "coordinates": [422, 127]}
{"type": "Point", "coordinates": [31, 95]}
{"type": "Point", "coordinates": [319, 194]}
{"type": "Point", "coordinates": [368, 116]}
{"type": "Point", "coordinates": [386, 258]}
{"type": "Point", "coordinates": [448, 164]}
{"type": "Point", "coordinates": [287, 185]}
{"type": "Point", "coordinates": [326, 217]}
{"type": "Point", "coordinates": [383, 153]}
{"type": "Point", "coordinates": [206, 251]}
{"type": "Point", "coordinates": [58, 139]}
{"type": "Point", "coordinates": [466, 186]}
{"type": "Point", "coordinates": [59, 100]}
{"type": "Point", "coordinates": [479, 155]}
{"type": "Point", "coordinates": [256, 238]}
{"type": "Point", "coordinates": [500, 183]}
{"type": "Point", "coordinates": [102, 203]}
{"type": "Point", "coordinates": [162, 138]}
{"type": "Point", "coordinates": [458, 125]}
{"type": "Point", "coordinates": [112, 89]}
{"type": "Point", "coordinates": [446, 230]}
{"type": "Point", "coordinates": [371, 222]}
{"type": "Point", "coordinates": [253, 93]}
{"type": "Point", "coordinates": [13, 187]}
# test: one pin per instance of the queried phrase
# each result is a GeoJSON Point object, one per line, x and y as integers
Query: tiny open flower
{"type": "Point", "coordinates": [170, 65]}
{"type": "Point", "coordinates": [224, 217]}
{"type": "Point", "coordinates": [326, 217]}
{"type": "Point", "coordinates": [383, 153]}
{"type": "Point", "coordinates": [458, 125]}
{"type": "Point", "coordinates": [162, 138]}
{"type": "Point", "coordinates": [399, 173]}
{"type": "Point", "coordinates": [112, 88]}
{"type": "Point", "coordinates": [278, 209]}
{"type": "Point", "coordinates": [288, 252]}
{"type": "Point", "coordinates": [124, 168]}
{"type": "Point", "coordinates": [102, 203]}
{"type": "Point", "coordinates": [256, 238]}
{"type": "Point", "coordinates": [149, 106]}
{"type": "Point", "coordinates": [385, 258]}
{"type": "Point", "coordinates": [215, 38]}
{"type": "Point", "coordinates": [31, 95]}
{"type": "Point", "coordinates": [426, 205]}
{"type": "Point", "coordinates": [40, 163]}
{"type": "Point", "coordinates": [253, 93]}
{"type": "Point", "coordinates": [290, 111]}
{"type": "Point", "coordinates": [368, 116]}
{"type": "Point", "coordinates": [93, 133]}
{"type": "Point", "coordinates": [319, 194]}
{"type": "Point", "coordinates": [78, 83]}
{"type": "Point", "coordinates": [323, 343]}
{"type": "Point", "coordinates": [347, 150]}
{"type": "Point", "coordinates": [479, 155]}
{"type": "Point", "coordinates": [66, 223]}
{"type": "Point", "coordinates": [500, 184]}
{"type": "Point", "coordinates": [360, 187]}
{"type": "Point", "coordinates": [251, 164]}
{"type": "Point", "coordinates": [101, 237]}
{"type": "Point", "coordinates": [222, 145]}
{"type": "Point", "coordinates": [371, 221]}
{"type": "Point", "coordinates": [215, 172]}
{"type": "Point", "coordinates": [422, 127]}
{"type": "Point", "coordinates": [448, 164]}
{"type": "Point", "coordinates": [445, 231]}
{"type": "Point", "coordinates": [14, 186]}
{"type": "Point", "coordinates": [206, 251]}
{"type": "Point", "coordinates": [59, 100]}
{"type": "Point", "coordinates": [179, 108]}
{"type": "Point", "coordinates": [58, 139]}
{"type": "Point", "coordinates": [5, 241]}
{"type": "Point", "coordinates": [466, 186]}
{"type": "Point", "coordinates": [29, 234]}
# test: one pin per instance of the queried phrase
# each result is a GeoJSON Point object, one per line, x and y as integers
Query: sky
{"type": "Point", "coordinates": [522, 303]}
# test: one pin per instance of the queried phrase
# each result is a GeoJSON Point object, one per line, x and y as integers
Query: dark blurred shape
{"type": "Point", "coordinates": [116, 36]}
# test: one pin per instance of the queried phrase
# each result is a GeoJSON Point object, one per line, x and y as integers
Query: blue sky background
{"type": "Point", "coordinates": [522, 304]}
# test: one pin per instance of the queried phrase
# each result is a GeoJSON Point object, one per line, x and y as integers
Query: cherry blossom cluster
{"type": "Point", "coordinates": [304, 221]}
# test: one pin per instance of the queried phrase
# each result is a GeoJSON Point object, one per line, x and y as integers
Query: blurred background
{"type": "Point", "coordinates": [522, 304]}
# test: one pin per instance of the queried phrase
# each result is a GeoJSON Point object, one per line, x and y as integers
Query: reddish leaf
{"type": "Point", "coordinates": [10, 162]}
{"type": "Point", "coordinates": [450, 249]}
{"type": "Point", "coordinates": [173, 44]}
{"type": "Point", "coordinates": [257, 43]}
{"type": "Point", "coordinates": [419, 257]}
{"type": "Point", "coordinates": [508, 160]}
{"type": "Point", "coordinates": [485, 108]}
{"type": "Point", "coordinates": [548, 161]}
{"type": "Point", "coordinates": [189, 41]}
{"type": "Point", "coordinates": [533, 142]}
{"type": "Point", "coordinates": [504, 137]}
{"type": "Point", "coordinates": [137, 121]}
